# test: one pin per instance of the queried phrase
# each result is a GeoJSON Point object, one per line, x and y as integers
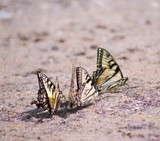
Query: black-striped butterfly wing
{"type": "Point", "coordinates": [42, 99]}
{"type": "Point", "coordinates": [48, 93]}
{"type": "Point", "coordinates": [86, 92]}
{"type": "Point", "coordinates": [108, 74]}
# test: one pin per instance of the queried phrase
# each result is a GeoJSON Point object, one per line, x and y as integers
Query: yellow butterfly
{"type": "Point", "coordinates": [49, 95]}
{"type": "Point", "coordinates": [85, 92]}
{"type": "Point", "coordinates": [108, 74]}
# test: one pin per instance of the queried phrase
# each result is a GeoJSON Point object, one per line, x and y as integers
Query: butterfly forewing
{"type": "Point", "coordinates": [42, 92]}
{"type": "Point", "coordinates": [49, 87]}
{"type": "Point", "coordinates": [82, 76]}
{"type": "Point", "coordinates": [103, 58]}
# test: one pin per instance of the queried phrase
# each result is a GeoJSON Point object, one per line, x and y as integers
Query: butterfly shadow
{"type": "Point", "coordinates": [40, 114]}
{"type": "Point", "coordinates": [75, 109]}
{"type": "Point", "coordinates": [35, 113]}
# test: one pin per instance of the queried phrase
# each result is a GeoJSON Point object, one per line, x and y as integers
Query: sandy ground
{"type": "Point", "coordinates": [49, 35]}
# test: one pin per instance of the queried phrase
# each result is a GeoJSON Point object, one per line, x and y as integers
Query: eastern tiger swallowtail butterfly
{"type": "Point", "coordinates": [108, 74]}
{"type": "Point", "coordinates": [49, 95]}
{"type": "Point", "coordinates": [85, 92]}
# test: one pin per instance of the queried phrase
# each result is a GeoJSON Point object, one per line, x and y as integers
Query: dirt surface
{"type": "Point", "coordinates": [49, 35]}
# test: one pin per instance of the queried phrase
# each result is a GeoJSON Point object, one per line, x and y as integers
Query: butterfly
{"type": "Point", "coordinates": [85, 92]}
{"type": "Point", "coordinates": [49, 94]}
{"type": "Point", "coordinates": [108, 74]}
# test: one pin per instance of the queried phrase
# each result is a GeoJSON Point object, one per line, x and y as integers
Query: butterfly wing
{"type": "Point", "coordinates": [42, 99]}
{"type": "Point", "coordinates": [72, 92]}
{"type": "Point", "coordinates": [86, 92]}
{"type": "Point", "coordinates": [108, 74]}
{"type": "Point", "coordinates": [56, 97]}
{"type": "Point", "coordinates": [48, 93]}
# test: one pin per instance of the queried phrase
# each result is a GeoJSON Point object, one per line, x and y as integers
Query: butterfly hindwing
{"type": "Point", "coordinates": [108, 74]}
